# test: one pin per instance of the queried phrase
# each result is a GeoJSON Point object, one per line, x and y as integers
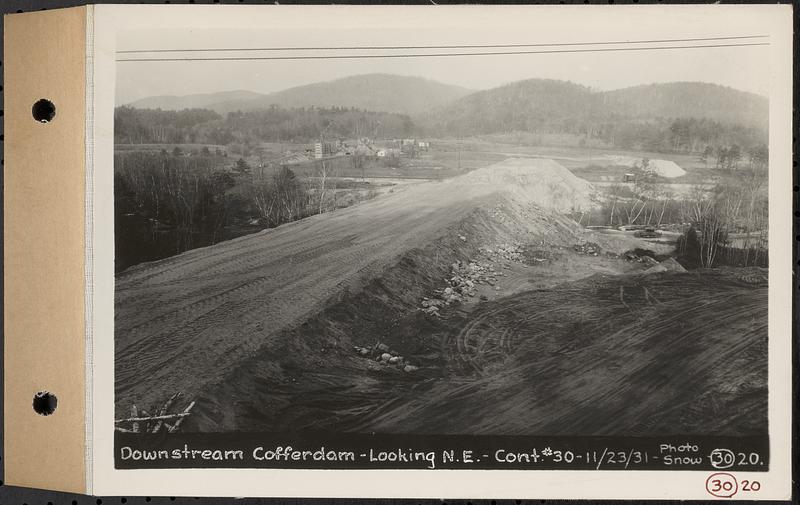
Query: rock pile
{"type": "Point", "coordinates": [510, 252]}
{"type": "Point", "coordinates": [644, 258]}
{"type": "Point", "coordinates": [535, 256]}
{"type": "Point", "coordinates": [499, 214]}
{"type": "Point", "coordinates": [587, 248]}
{"type": "Point", "coordinates": [466, 275]}
{"type": "Point", "coordinates": [384, 355]}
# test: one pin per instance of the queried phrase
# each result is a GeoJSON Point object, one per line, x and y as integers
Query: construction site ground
{"type": "Point", "coordinates": [469, 306]}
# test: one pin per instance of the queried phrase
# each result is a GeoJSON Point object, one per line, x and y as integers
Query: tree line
{"type": "Point", "coordinates": [724, 224]}
{"type": "Point", "coordinates": [274, 124]}
{"type": "Point", "coordinates": [728, 224]}
{"type": "Point", "coordinates": [310, 124]}
{"type": "Point", "coordinates": [166, 203]}
{"type": "Point", "coordinates": [679, 135]}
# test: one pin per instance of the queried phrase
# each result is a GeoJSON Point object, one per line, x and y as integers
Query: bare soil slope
{"type": "Point", "coordinates": [558, 334]}
{"type": "Point", "coordinates": [185, 322]}
{"type": "Point", "coordinates": [666, 353]}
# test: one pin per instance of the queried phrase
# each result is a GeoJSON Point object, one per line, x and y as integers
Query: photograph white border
{"type": "Point", "coordinates": [109, 20]}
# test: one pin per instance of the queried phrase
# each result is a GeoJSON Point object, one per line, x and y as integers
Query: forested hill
{"type": "Point", "coordinates": [198, 101]}
{"type": "Point", "coordinates": [688, 100]}
{"type": "Point", "coordinates": [680, 116]}
{"type": "Point", "coordinates": [557, 105]}
{"type": "Point", "coordinates": [375, 92]}
{"type": "Point", "coordinates": [274, 124]}
{"type": "Point", "coordinates": [531, 105]}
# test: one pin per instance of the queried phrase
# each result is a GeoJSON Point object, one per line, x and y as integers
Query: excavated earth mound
{"type": "Point", "coordinates": [543, 181]}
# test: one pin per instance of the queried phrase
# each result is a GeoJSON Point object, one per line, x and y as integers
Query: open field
{"type": "Point", "coordinates": [265, 331]}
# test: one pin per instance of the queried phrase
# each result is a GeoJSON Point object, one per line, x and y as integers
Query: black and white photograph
{"type": "Point", "coordinates": [434, 234]}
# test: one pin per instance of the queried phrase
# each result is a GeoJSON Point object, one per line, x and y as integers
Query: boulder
{"type": "Point", "coordinates": [668, 265]}
{"type": "Point", "coordinates": [648, 260]}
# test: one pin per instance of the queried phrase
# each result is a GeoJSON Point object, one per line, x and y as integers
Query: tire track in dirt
{"type": "Point", "coordinates": [615, 372]}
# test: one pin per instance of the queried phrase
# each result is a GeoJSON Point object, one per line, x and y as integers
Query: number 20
{"type": "Point", "coordinates": [751, 485]}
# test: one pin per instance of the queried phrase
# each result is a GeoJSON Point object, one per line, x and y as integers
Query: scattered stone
{"type": "Point", "coordinates": [382, 347]}
{"type": "Point", "coordinates": [589, 248]}
{"type": "Point", "coordinates": [434, 311]}
{"type": "Point", "coordinates": [363, 351]}
{"type": "Point", "coordinates": [410, 368]}
{"type": "Point", "coordinates": [386, 356]}
{"type": "Point", "coordinates": [466, 275]}
{"type": "Point", "coordinates": [510, 252]}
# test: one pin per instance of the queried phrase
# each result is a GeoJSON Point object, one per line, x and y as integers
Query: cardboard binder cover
{"type": "Point", "coordinates": [45, 55]}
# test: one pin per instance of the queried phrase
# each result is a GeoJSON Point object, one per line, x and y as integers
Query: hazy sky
{"type": "Point", "coordinates": [744, 68]}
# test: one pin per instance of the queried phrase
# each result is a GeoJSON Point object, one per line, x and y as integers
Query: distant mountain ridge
{"type": "Point", "coordinates": [376, 92]}
{"type": "Point", "coordinates": [518, 106]}
{"type": "Point", "coordinates": [534, 105]}
{"type": "Point", "coordinates": [196, 101]}
{"type": "Point", "coordinates": [689, 99]}
{"type": "Point", "coordinates": [546, 104]}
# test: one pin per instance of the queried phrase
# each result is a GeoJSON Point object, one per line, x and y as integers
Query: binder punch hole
{"type": "Point", "coordinates": [43, 110]}
{"type": "Point", "coordinates": [44, 403]}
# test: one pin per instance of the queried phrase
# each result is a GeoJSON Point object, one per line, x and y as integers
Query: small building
{"type": "Point", "coordinates": [323, 149]}
{"type": "Point", "coordinates": [630, 178]}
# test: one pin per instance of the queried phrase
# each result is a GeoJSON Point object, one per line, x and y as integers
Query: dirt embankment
{"type": "Point", "coordinates": [267, 333]}
{"type": "Point", "coordinates": [183, 323]}
{"type": "Point", "coordinates": [313, 378]}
